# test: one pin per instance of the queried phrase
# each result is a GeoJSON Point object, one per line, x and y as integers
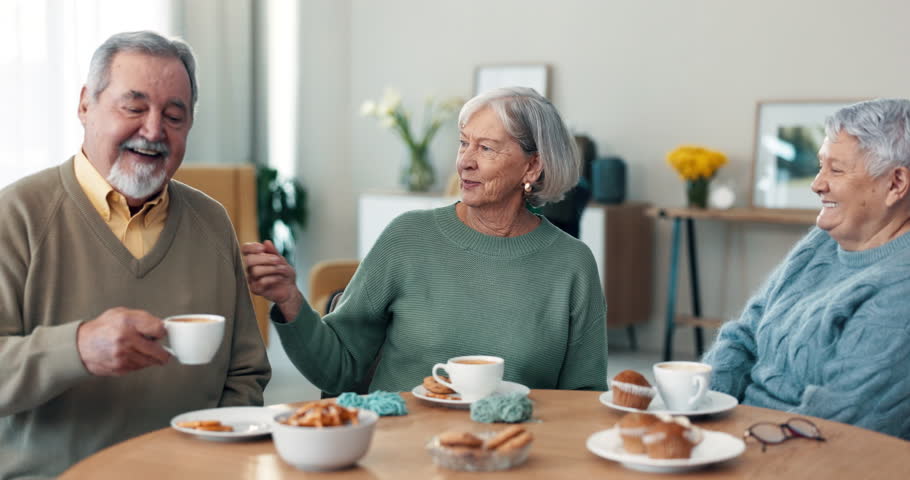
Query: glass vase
{"type": "Point", "coordinates": [697, 192]}
{"type": "Point", "coordinates": [417, 174]}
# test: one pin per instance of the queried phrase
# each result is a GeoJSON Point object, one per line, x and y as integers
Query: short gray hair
{"type": "Point", "coordinates": [538, 128]}
{"type": "Point", "coordinates": [882, 129]}
{"type": "Point", "coordinates": [147, 42]}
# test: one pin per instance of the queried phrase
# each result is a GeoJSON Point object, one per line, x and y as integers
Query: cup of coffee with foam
{"type": "Point", "coordinates": [682, 385]}
{"type": "Point", "coordinates": [194, 338]}
{"type": "Point", "coordinates": [472, 376]}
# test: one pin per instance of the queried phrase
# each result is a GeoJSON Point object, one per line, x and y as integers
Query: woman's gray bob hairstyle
{"type": "Point", "coordinates": [147, 42]}
{"type": "Point", "coordinates": [882, 129]}
{"type": "Point", "coordinates": [537, 127]}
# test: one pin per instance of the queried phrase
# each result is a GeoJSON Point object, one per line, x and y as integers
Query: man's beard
{"type": "Point", "coordinates": [145, 178]}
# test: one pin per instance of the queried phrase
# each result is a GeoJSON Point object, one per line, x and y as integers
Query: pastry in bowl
{"type": "Point", "coordinates": [318, 436]}
{"type": "Point", "coordinates": [631, 389]}
{"type": "Point", "coordinates": [481, 452]}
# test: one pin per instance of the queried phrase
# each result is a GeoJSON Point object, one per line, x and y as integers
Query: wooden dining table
{"type": "Point", "coordinates": [561, 423]}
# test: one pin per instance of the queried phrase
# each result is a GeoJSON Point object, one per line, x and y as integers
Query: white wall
{"type": "Point", "coordinates": [639, 77]}
{"type": "Point", "coordinates": [220, 33]}
{"type": "Point", "coordinates": [325, 166]}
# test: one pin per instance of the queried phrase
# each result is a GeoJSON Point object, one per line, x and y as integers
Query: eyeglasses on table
{"type": "Point", "coordinates": [768, 433]}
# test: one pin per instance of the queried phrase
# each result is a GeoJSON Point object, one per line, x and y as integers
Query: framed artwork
{"type": "Point", "coordinates": [788, 135]}
{"type": "Point", "coordinates": [488, 77]}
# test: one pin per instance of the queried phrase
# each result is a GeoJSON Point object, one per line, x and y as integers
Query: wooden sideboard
{"type": "Point", "coordinates": [619, 236]}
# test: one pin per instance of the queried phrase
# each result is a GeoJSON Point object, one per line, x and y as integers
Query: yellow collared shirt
{"type": "Point", "coordinates": [138, 232]}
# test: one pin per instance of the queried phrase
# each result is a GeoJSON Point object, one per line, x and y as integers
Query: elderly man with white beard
{"type": "Point", "coordinates": [96, 252]}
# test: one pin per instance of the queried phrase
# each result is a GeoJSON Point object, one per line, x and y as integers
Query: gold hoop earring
{"type": "Point", "coordinates": [527, 187]}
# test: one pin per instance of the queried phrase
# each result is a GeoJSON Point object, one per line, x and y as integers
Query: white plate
{"type": "Point", "coordinates": [714, 402]}
{"type": "Point", "coordinates": [504, 388]}
{"type": "Point", "coordinates": [248, 422]}
{"type": "Point", "coordinates": [715, 447]}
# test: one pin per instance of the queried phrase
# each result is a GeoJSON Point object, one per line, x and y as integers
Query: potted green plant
{"type": "Point", "coordinates": [282, 209]}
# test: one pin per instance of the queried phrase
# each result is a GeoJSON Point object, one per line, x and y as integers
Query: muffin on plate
{"type": "Point", "coordinates": [632, 428]}
{"type": "Point", "coordinates": [631, 389]}
{"type": "Point", "coordinates": [671, 437]}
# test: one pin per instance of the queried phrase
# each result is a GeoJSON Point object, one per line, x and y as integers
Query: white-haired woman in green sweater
{"type": "Point", "coordinates": [482, 276]}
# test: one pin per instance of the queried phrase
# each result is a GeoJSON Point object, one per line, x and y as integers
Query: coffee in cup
{"type": "Point", "coordinates": [682, 385]}
{"type": "Point", "coordinates": [194, 338]}
{"type": "Point", "coordinates": [473, 376]}
{"type": "Point", "coordinates": [192, 319]}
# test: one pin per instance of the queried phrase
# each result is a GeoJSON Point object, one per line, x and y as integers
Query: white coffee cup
{"type": "Point", "coordinates": [472, 376]}
{"type": "Point", "coordinates": [682, 385]}
{"type": "Point", "coordinates": [194, 338]}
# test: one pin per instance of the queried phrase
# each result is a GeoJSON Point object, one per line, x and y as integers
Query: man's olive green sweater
{"type": "Point", "coordinates": [61, 265]}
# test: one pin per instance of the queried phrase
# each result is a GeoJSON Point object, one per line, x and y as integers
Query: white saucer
{"type": "Point", "coordinates": [504, 388]}
{"type": "Point", "coordinates": [714, 402]}
{"type": "Point", "coordinates": [715, 447]}
{"type": "Point", "coordinates": [248, 422]}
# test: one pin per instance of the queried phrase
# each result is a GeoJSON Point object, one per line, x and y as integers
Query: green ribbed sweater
{"type": "Point", "coordinates": [62, 265]}
{"type": "Point", "coordinates": [432, 288]}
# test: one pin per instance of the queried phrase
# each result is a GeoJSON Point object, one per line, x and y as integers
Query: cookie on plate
{"type": "Point", "coordinates": [431, 385]}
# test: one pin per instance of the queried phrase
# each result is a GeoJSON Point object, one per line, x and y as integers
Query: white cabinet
{"type": "Point", "coordinates": [376, 210]}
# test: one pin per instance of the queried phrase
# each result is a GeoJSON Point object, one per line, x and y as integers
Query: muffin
{"type": "Point", "coordinates": [631, 389]}
{"type": "Point", "coordinates": [671, 438]}
{"type": "Point", "coordinates": [632, 428]}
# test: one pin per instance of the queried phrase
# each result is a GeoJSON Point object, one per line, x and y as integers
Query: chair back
{"type": "Point", "coordinates": [234, 187]}
{"type": "Point", "coordinates": [327, 279]}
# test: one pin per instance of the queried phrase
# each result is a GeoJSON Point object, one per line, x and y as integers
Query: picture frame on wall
{"type": "Point", "coordinates": [788, 135]}
{"type": "Point", "coordinates": [536, 76]}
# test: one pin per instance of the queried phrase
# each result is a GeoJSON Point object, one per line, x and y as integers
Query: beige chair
{"type": "Point", "coordinates": [234, 186]}
{"type": "Point", "coordinates": [327, 280]}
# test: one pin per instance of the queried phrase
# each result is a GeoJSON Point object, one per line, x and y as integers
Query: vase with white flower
{"type": "Point", "coordinates": [417, 174]}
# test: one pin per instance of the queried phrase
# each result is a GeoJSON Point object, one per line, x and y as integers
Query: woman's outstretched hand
{"type": "Point", "coordinates": [271, 276]}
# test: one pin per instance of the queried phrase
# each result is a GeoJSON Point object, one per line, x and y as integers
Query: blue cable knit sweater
{"type": "Point", "coordinates": [828, 335]}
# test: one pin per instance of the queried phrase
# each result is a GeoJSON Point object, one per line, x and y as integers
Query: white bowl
{"type": "Point", "coordinates": [323, 448]}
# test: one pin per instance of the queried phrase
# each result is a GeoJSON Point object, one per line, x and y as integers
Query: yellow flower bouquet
{"type": "Point", "coordinates": [697, 166]}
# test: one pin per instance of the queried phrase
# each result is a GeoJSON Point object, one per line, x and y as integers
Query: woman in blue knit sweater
{"type": "Point", "coordinates": [828, 335]}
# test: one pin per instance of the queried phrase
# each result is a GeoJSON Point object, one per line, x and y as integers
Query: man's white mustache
{"type": "Point", "coordinates": [143, 144]}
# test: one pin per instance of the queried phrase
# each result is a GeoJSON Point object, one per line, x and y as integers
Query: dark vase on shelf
{"type": "Point", "coordinates": [697, 192]}
{"type": "Point", "coordinates": [417, 174]}
{"type": "Point", "coordinates": [609, 180]}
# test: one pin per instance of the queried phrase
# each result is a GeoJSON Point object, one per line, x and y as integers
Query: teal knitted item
{"type": "Point", "coordinates": [509, 408]}
{"type": "Point", "coordinates": [383, 403]}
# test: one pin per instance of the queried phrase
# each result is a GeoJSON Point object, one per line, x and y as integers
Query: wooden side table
{"type": "Point", "coordinates": [689, 215]}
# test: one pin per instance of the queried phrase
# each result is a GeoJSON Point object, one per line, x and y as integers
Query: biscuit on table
{"type": "Point", "coordinates": [516, 443]}
{"type": "Point", "coordinates": [431, 385]}
{"type": "Point", "coordinates": [502, 437]}
{"type": "Point", "coordinates": [459, 439]}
